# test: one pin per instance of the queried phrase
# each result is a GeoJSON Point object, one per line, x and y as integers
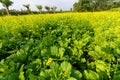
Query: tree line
{"type": "Point", "coordinates": [7, 3]}
{"type": "Point", "coordinates": [95, 5]}
{"type": "Point", "coordinates": [81, 5]}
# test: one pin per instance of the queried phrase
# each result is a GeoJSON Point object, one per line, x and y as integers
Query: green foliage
{"type": "Point", "coordinates": [53, 8]}
{"type": "Point", "coordinates": [59, 47]}
{"type": "Point", "coordinates": [27, 6]}
{"type": "Point", "coordinates": [91, 75]}
{"type": "Point", "coordinates": [115, 9]}
{"type": "Point", "coordinates": [39, 7]}
{"type": "Point", "coordinates": [95, 5]}
{"type": "Point", "coordinates": [47, 8]}
{"type": "Point", "coordinates": [6, 4]}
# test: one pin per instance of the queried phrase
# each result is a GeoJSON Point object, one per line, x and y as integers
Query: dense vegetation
{"type": "Point", "coordinates": [68, 46]}
{"type": "Point", "coordinates": [25, 12]}
{"type": "Point", "coordinates": [95, 5]}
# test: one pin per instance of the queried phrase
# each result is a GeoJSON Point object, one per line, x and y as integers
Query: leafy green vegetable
{"type": "Point", "coordinates": [67, 46]}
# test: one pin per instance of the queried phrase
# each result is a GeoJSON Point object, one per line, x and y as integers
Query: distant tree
{"type": "Point", "coordinates": [6, 4]}
{"type": "Point", "coordinates": [116, 4]}
{"type": "Point", "coordinates": [27, 6]}
{"type": "Point", "coordinates": [95, 5]}
{"type": "Point", "coordinates": [2, 11]}
{"type": "Point", "coordinates": [82, 5]}
{"type": "Point", "coordinates": [61, 10]}
{"type": "Point", "coordinates": [47, 8]}
{"type": "Point", "coordinates": [77, 6]}
{"type": "Point", "coordinates": [100, 4]}
{"type": "Point", "coordinates": [71, 9]}
{"type": "Point", "coordinates": [39, 7]}
{"type": "Point", "coordinates": [86, 5]}
{"type": "Point", "coordinates": [53, 8]}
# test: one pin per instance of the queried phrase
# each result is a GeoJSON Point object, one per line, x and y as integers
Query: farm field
{"type": "Point", "coordinates": [63, 46]}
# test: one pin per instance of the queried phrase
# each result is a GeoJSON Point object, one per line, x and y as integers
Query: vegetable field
{"type": "Point", "coordinates": [66, 46]}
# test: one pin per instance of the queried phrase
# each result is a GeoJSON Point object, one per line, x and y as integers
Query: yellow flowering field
{"type": "Point", "coordinates": [62, 46]}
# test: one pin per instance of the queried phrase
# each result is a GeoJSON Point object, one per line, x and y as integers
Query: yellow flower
{"type": "Point", "coordinates": [50, 60]}
{"type": "Point", "coordinates": [64, 75]}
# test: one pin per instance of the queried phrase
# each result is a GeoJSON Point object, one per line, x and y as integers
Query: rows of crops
{"type": "Point", "coordinates": [68, 46]}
